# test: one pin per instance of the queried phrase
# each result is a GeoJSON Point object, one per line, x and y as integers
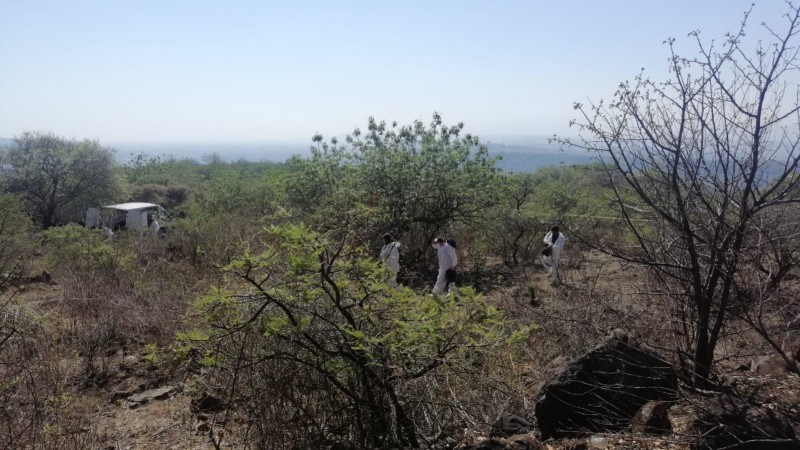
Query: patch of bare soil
{"type": "Point", "coordinates": [158, 424]}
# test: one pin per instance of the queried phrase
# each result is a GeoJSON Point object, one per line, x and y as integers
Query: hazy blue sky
{"type": "Point", "coordinates": [265, 70]}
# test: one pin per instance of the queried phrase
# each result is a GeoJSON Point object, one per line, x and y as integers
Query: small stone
{"type": "Point", "coordinates": [652, 418]}
{"type": "Point", "coordinates": [126, 389]}
{"type": "Point", "coordinates": [510, 424]}
{"type": "Point", "coordinates": [768, 365]}
{"type": "Point", "coordinates": [598, 442]}
{"type": "Point", "coordinates": [130, 361]}
{"type": "Point", "coordinates": [153, 394]}
{"type": "Point", "coordinates": [202, 427]}
{"type": "Point", "coordinates": [208, 403]}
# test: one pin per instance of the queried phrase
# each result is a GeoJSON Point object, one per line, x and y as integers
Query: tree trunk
{"type": "Point", "coordinates": [704, 351]}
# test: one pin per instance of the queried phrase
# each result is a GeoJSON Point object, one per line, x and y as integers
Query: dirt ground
{"type": "Point", "coordinates": [597, 294]}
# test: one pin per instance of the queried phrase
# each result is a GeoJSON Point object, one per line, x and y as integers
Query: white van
{"type": "Point", "coordinates": [130, 216]}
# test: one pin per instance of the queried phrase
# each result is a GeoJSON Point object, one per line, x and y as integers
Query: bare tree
{"type": "Point", "coordinates": [696, 162]}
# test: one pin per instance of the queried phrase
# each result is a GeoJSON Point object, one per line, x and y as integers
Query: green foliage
{"type": "Point", "coordinates": [417, 180]}
{"type": "Point", "coordinates": [75, 247]}
{"type": "Point", "coordinates": [151, 354]}
{"type": "Point", "coordinates": [565, 193]}
{"type": "Point", "coordinates": [169, 197]}
{"type": "Point", "coordinates": [216, 205]}
{"type": "Point", "coordinates": [220, 186]}
{"type": "Point", "coordinates": [309, 299]}
{"type": "Point", "coordinates": [58, 178]}
{"type": "Point", "coordinates": [16, 236]}
{"type": "Point", "coordinates": [161, 170]}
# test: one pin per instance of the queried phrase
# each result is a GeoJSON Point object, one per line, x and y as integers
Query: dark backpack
{"type": "Point", "coordinates": [452, 243]}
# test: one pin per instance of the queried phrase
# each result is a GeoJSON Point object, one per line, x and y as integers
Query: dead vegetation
{"type": "Point", "coordinates": [74, 351]}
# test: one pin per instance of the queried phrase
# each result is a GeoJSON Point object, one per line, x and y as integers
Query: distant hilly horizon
{"type": "Point", "coordinates": [518, 153]}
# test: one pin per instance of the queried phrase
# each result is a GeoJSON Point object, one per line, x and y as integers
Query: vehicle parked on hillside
{"type": "Point", "coordinates": [128, 216]}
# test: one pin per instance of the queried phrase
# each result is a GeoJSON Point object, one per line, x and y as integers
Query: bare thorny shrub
{"type": "Point", "coordinates": [696, 164]}
{"type": "Point", "coordinates": [600, 294]}
{"type": "Point", "coordinates": [115, 297]}
{"type": "Point", "coordinates": [594, 298]}
{"type": "Point", "coordinates": [37, 409]}
{"type": "Point", "coordinates": [110, 312]}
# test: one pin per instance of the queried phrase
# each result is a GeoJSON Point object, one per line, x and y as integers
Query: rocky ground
{"type": "Point", "coordinates": [139, 405]}
{"type": "Point", "coordinates": [135, 414]}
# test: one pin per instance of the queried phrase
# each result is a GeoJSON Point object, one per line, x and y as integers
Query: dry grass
{"type": "Point", "coordinates": [70, 341]}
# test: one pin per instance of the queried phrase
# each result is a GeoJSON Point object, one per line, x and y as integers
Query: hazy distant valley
{"type": "Point", "coordinates": [523, 157]}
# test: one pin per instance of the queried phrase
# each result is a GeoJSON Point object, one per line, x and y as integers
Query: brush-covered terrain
{"type": "Point", "coordinates": [254, 312]}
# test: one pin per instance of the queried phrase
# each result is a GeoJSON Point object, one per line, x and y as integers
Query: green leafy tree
{"type": "Point", "coordinates": [347, 354]}
{"type": "Point", "coordinates": [420, 180]}
{"type": "Point", "coordinates": [58, 178]}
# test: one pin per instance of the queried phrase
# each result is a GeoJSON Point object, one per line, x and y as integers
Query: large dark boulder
{"type": "Point", "coordinates": [602, 390]}
{"type": "Point", "coordinates": [730, 421]}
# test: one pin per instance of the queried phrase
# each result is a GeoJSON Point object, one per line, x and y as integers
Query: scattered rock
{"type": "Point", "coordinates": [208, 403]}
{"type": "Point", "coordinates": [510, 424]}
{"type": "Point", "coordinates": [681, 418]}
{"type": "Point", "coordinates": [130, 361]}
{"type": "Point", "coordinates": [202, 427]}
{"type": "Point", "coordinates": [600, 442]}
{"type": "Point", "coordinates": [518, 442]}
{"type": "Point", "coordinates": [619, 333]}
{"type": "Point", "coordinates": [553, 369]}
{"type": "Point", "coordinates": [572, 444]}
{"type": "Point", "coordinates": [602, 390]}
{"type": "Point", "coordinates": [769, 365]}
{"type": "Point", "coordinates": [652, 418]}
{"type": "Point", "coordinates": [127, 388]}
{"type": "Point", "coordinates": [728, 420]}
{"type": "Point", "coordinates": [161, 393]}
{"type": "Point", "coordinates": [43, 277]}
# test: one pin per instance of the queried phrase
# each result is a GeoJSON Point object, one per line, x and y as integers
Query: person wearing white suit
{"type": "Point", "coordinates": [390, 256]}
{"type": "Point", "coordinates": [448, 260]}
{"type": "Point", "coordinates": [553, 240]}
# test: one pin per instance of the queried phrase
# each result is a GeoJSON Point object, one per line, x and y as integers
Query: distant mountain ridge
{"type": "Point", "coordinates": [516, 156]}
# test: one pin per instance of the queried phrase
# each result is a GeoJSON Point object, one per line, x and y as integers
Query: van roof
{"type": "Point", "coordinates": [131, 206]}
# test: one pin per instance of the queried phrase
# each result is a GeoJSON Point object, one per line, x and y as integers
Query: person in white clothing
{"type": "Point", "coordinates": [554, 242]}
{"type": "Point", "coordinates": [448, 260]}
{"type": "Point", "coordinates": [154, 227]}
{"type": "Point", "coordinates": [390, 256]}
